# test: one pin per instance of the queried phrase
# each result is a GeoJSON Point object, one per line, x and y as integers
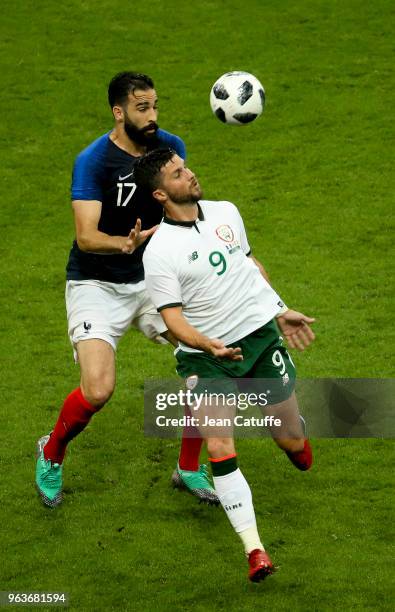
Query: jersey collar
{"type": "Point", "coordinates": [200, 217]}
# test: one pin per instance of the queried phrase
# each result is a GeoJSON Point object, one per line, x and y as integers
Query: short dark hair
{"type": "Point", "coordinates": [146, 171]}
{"type": "Point", "coordinates": [124, 83]}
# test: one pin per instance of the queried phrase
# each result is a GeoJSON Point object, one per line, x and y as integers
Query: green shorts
{"type": "Point", "coordinates": [266, 367]}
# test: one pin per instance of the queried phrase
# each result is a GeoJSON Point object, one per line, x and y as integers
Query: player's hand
{"type": "Point", "coordinates": [218, 349]}
{"type": "Point", "coordinates": [296, 329]}
{"type": "Point", "coordinates": [137, 237]}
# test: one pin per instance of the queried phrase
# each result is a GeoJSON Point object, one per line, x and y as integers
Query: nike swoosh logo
{"type": "Point", "coordinates": [122, 178]}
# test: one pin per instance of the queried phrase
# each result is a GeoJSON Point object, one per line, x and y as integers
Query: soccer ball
{"type": "Point", "coordinates": [237, 98]}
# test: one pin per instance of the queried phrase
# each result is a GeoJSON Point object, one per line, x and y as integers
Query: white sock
{"type": "Point", "coordinates": [235, 496]}
{"type": "Point", "coordinates": [251, 540]}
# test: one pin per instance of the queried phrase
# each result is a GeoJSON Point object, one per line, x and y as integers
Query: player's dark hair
{"type": "Point", "coordinates": [124, 83]}
{"type": "Point", "coordinates": [146, 171]}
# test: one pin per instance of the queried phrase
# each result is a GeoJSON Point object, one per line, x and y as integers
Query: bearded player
{"type": "Point", "coordinates": [105, 290]}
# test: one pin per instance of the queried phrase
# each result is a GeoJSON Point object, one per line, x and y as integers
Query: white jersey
{"type": "Point", "coordinates": [204, 267]}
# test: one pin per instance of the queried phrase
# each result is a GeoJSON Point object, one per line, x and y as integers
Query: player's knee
{"type": "Point", "coordinates": [98, 394]}
{"type": "Point", "coordinates": [219, 447]}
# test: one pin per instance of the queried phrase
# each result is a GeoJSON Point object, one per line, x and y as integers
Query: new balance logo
{"type": "Point", "coordinates": [87, 327]}
{"type": "Point", "coordinates": [193, 256]}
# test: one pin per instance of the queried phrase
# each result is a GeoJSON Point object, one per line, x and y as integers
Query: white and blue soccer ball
{"type": "Point", "coordinates": [237, 98]}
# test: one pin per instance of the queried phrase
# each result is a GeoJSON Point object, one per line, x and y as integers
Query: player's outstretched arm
{"type": "Point", "coordinates": [296, 329]}
{"type": "Point", "coordinates": [189, 335]}
{"type": "Point", "coordinates": [91, 239]}
{"type": "Point", "coordinates": [294, 325]}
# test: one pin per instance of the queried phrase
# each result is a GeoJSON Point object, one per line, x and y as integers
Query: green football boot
{"type": "Point", "coordinates": [197, 483]}
{"type": "Point", "coordinates": [48, 477]}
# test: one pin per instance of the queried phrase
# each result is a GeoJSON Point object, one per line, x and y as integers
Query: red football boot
{"type": "Point", "coordinates": [302, 459]}
{"type": "Point", "coordinates": [260, 565]}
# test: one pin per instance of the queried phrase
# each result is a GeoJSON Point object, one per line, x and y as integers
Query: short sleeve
{"type": "Point", "coordinates": [87, 181]}
{"type": "Point", "coordinates": [161, 281]}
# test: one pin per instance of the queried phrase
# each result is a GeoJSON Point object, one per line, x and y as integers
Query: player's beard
{"type": "Point", "coordinates": [140, 135]}
{"type": "Point", "coordinates": [190, 198]}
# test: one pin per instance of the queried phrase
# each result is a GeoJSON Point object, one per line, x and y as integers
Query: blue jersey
{"type": "Point", "coordinates": [104, 172]}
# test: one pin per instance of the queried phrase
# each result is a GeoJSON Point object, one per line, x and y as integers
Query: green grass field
{"type": "Point", "coordinates": [313, 179]}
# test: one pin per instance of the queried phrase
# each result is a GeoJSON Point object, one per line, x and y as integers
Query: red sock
{"type": "Point", "coordinates": [302, 459]}
{"type": "Point", "coordinates": [73, 418]}
{"type": "Point", "coordinates": [191, 445]}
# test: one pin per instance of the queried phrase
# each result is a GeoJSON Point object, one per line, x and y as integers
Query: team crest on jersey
{"type": "Point", "coordinates": [191, 381]}
{"type": "Point", "coordinates": [225, 233]}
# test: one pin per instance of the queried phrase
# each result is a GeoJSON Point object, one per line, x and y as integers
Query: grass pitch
{"type": "Point", "coordinates": [313, 181]}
